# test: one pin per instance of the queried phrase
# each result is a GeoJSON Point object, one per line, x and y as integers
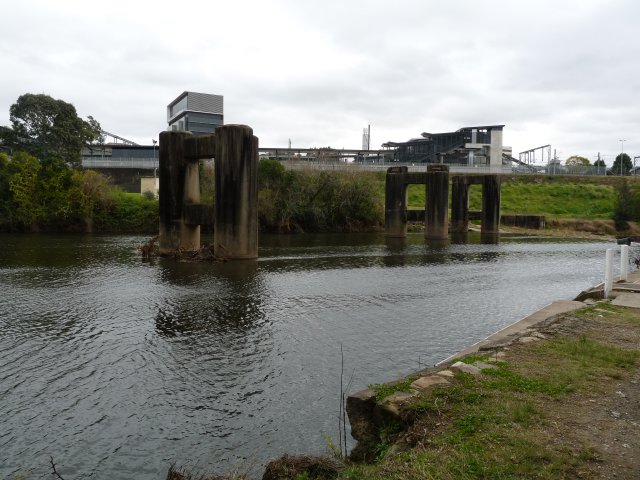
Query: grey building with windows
{"type": "Point", "coordinates": [198, 113]}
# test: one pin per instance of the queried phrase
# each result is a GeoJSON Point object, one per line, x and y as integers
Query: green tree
{"type": "Point", "coordinates": [623, 209]}
{"type": "Point", "coordinates": [24, 188]}
{"type": "Point", "coordinates": [574, 160]}
{"type": "Point", "coordinates": [46, 127]}
{"type": "Point", "coordinates": [621, 165]}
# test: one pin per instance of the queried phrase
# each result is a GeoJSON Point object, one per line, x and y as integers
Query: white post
{"type": "Point", "coordinates": [608, 273]}
{"type": "Point", "coordinates": [624, 263]}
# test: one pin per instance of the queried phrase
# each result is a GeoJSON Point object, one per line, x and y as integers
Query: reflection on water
{"type": "Point", "coordinates": [118, 367]}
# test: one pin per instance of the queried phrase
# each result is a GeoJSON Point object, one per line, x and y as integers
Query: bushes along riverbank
{"type": "Point", "coordinates": [50, 196]}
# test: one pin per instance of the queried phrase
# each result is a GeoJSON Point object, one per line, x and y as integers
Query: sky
{"type": "Point", "coordinates": [317, 72]}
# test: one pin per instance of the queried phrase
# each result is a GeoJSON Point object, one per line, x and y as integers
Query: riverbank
{"type": "Point", "coordinates": [553, 396]}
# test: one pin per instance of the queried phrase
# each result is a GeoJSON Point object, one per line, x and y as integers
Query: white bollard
{"type": "Point", "coordinates": [624, 263]}
{"type": "Point", "coordinates": [608, 273]}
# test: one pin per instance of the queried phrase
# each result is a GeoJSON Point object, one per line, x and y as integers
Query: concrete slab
{"type": "Point", "coordinates": [627, 300]}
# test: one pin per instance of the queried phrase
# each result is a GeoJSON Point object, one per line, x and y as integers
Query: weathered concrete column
{"type": "Point", "coordinates": [459, 205]}
{"type": "Point", "coordinates": [395, 203]}
{"type": "Point", "coordinates": [490, 204]}
{"type": "Point", "coordinates": [235, 234]}
{"type": "Point", "coordinates": [179, 186]}
{"type": "Point", "coordinates": [190, 234]}
{"type": "Point", "coordinates": [437, 204]}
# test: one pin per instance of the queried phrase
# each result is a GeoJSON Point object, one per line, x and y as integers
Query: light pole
{"type": "Point", "coordinates": [155, 165]}
{"type": "Point", "coordinates": [621, 155]}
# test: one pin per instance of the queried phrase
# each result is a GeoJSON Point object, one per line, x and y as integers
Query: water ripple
{"type": "Point", "coordinates": [117, 368]}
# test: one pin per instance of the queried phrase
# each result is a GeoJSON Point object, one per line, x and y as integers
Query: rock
{"type": "Point", "coordinates": [446, 373]}
{"type": "Point", "coordinates": [427, 382]}
{"type": "Point", "coordinates": [538, 335]}
{"type": "Point", "coordinates": [528, 339]}
{"type": "Point", "coordinates": [393, 402]}
{"type": "Point", "coordinates": [399, 397]}
{"type": "Point", "coordinates": [465, 368]}
{"type": "Point", "coordinates": [483, 365]}
{"type": "Point", "coordinates": [368, 419]}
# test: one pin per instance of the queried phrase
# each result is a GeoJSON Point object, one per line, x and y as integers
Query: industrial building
{"type": "Point", "coordinates": [198, 113]}
{"type": "Point", "coordinates": [469, 146]}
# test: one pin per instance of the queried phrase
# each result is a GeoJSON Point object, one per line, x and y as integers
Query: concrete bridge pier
{"type": "Point", "coordinates": [235, 234]}
{"type": "Point", "coordinates": [437, 203]}
{"type": "Point", "coordinates": [179, 187]}
{"type": "Point", "coordinates": [490, 205]}
{"type": "Point", "coordinates": [459, 205]}
{"type": "Point", "coordinates": [395, 203]}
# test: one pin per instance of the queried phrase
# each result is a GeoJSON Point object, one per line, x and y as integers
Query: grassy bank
{"type": "Point", "coordinates": [558, 407]}
{"type": "Point", "coordinates": [561, 197]}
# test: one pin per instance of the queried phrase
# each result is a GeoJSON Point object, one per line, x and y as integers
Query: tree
{"type": "Point", "coordinates": [574, 160]}
{"type": "Point", "coordinates": [47, 128]}
{"type": "Point", "coordinates": [621, 165]}
{"type": "Point", "coordinates": [599, 163]}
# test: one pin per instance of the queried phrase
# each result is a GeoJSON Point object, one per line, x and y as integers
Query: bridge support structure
{"type": "Point", "coordinates": [436, 180]}
{"type": "Point", "coordinates": [235, 150]}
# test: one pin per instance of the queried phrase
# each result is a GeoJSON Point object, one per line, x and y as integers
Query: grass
{"type": "Point", "coordinates": [556, 197]}
{"type": "Point", "coordinates": [384, 390]}
{"type": "Point", "coordinates": [494, 425]}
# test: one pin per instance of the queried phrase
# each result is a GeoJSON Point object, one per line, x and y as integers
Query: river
{"type": "Point", "coordinates": [117, 367]}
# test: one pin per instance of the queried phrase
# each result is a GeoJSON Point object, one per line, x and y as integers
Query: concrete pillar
{"type": "Point", "coordinates": [490, 204]}
{"type": "Point", "coordinates": [624, 263]}
{"type": "Point", "coordinates": [178, 186]}
{"type": "Point", "coordinates": [190, 234]}
{"type": "Point", "coordinates": [235, 234]}
{"type": "Point", "coordinates": [608, 273]}
{"type": "Point", "coordinates": [459, 205]}
{"type": "Point", "coordinates": [395, 203]}
{"type": "Point", "coordinates": [437, 204]}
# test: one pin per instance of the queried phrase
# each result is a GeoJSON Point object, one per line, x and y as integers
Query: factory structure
{"type": "Point", "coordinates": [468, 146]}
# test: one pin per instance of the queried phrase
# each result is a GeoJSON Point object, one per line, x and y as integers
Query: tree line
{"type": "Point", "coordinates": [42, 184]}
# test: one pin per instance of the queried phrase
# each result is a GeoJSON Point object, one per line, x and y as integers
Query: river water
{"type": "Point", "coordinates": [117, 367]}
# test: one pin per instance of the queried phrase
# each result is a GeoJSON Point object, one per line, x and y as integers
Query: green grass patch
{"type": "Point", "coordinates": [590, 353]}
{"type": "Point", "coordinates": [555, 197]}
{"type": "Point", "coordinates": [505, 379]}
{"type": "Point", "coordinates": [471, 359]}
{"type": "Point", "coordinates": [383, 390]}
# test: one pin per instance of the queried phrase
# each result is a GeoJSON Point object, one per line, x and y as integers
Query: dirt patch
{"type": "Point", "coordinates": [603, 420]}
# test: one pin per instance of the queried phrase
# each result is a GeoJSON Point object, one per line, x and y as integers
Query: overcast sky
{"type": "Point", "coordinates": [562, 72]}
